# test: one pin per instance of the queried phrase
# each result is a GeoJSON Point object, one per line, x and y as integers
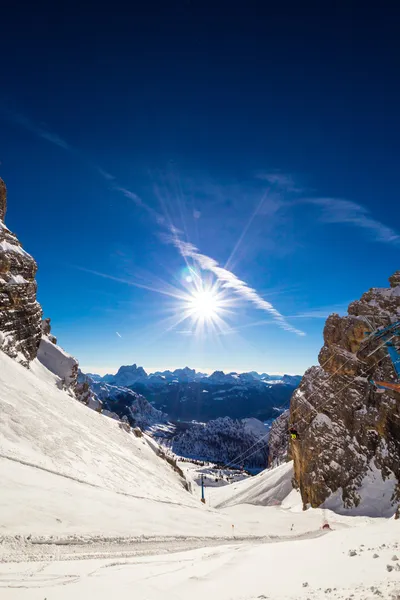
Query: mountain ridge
{"type": "Point", "coordinates": [130, 374]}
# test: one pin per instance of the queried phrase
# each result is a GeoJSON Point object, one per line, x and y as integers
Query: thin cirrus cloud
{"type": "Point", "coordinates": [229, 280]}
{"type": "Point", "coordinates": [336, 210]}
{"type": "Point", "coordinates": [36, 129]}
{"type": "Point", "coordinates": [53, 138]}
{"type": "Point", "coordinates": [343, 211]}
{"type": "Point", "coordinates": [280, 180]}
{"type": "Point", "coordinates": [322, 312]}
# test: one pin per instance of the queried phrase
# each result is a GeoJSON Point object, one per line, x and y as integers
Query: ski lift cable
{"type": "Point", "coordinates": [366, 341]}
{"type": "Point", "coordinates": [242, 455]}
{"type": "Point", "coordinates": [381, 346]}
{"type": "Point", "coordinates": [341, 389]}
{"type": "Point", "coordinates": [302, 419]}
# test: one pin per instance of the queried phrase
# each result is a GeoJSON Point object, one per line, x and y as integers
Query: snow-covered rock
{"type": "Point", "coordinates": [128, 375]}
{"type": "Point", "coordinates": [20, 313]}
{"type": "Point", "coordinates": [127, 403]}
{"type": "Point", "coordinates": [219, 377]}
{"type": "Point", "coordinates": [278, 442]}
{"type": "Point", "coordinates": [59, 362]}
{"type": "Point", "coordinates": [293, 380]}
{"type": "Point", "coordinates": [348, 451]}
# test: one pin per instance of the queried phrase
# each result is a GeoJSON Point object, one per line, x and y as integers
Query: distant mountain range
{"type": "Point", "coordinates": [131, 374]}
{"type": "Point", "coordinates": [186, 395]}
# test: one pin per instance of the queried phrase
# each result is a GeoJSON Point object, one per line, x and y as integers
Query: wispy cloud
{"type": "Point", "coordinates": [118, 334]}
{"type": "Point", "coordinates": [141, 204]}
{"type": "Point", "coordinates": [228, 280]}
{"type": "Point", "coordinates": [322, 312]}
{"type": "Point", "coordinates": [44, 133]}
{"type": "Point", "coordinates": [342, 211]}
{"type": "Point", "coordinates": [336, 210]}
{"type": "Point", "coordinates": [105, 174]}
{"type": "Point", "coordinates": [280, 180]}
{"type": "Point", "coordinates": [38, 130]}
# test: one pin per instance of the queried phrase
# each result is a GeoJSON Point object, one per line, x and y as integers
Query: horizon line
{"type": "Point", "coordinates": [113, 370]}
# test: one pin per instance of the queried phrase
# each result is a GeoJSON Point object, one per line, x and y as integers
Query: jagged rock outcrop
{"type": "Point", "coordinates": [46, 331]}
{"type": "Point", "coordinates": [3, 200]}
{"type": "Point", "coordinates": [349, 444]}
{"type": "Point", "coordinates": [20, 313]}
{"type": "Point", "coordinates": [278, 440]}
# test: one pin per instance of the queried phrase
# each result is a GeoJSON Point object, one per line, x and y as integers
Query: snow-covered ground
{"type": "Point", "coordinates": [75, 485]}
{"type": "Point", "coordinates": [269, 488]}
{"type": "Point", "coordinates": [67, 470]}
{"type": "Point", "coordinates": [356, 564]}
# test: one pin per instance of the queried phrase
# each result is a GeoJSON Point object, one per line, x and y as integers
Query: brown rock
{"type": "Point", "coordinates": [3, 200]}
{"type": "Point", "coordinates": [395, 279]}
{"type": "Point", "coordinates": [20, 313]}
{"type": "Point", "coordinates": [345, 425]}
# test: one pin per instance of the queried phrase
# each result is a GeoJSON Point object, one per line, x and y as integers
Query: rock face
{"type": "Point", "coordinates": [278, 440]}
{"type": "Point", "coordinates": [348, 449]}
{"type": "Point", "coordinates": [20, 313]}
{"type": "Point", "coordinates": [3, 200]}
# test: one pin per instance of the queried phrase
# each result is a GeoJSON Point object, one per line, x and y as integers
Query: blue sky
{"type": "Point", "coordinates": [252, 148]}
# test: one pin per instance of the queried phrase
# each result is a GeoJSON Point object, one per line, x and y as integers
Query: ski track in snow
{"type": "Point", "coordinates": [18, 549]}
{"type": "Point", "coordinates": [312, 569]}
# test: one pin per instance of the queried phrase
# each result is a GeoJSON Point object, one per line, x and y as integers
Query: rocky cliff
{"type": "Point", "coordinates": [278, 440]}
{"type": "Point", "coordinates": [20, 313]}
{"type": "Point", "coordinates": [348, 449]}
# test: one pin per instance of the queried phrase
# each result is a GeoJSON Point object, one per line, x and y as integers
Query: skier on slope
{"type": "Point", "coordinates": [294, 433]}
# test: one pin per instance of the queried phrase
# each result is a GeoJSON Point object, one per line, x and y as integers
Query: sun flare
{"type": "Point", "coordinates": [204, 304]}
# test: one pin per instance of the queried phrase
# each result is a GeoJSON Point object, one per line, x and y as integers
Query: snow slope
{"type": "Point", "coordinates": [76, 485]}
{"type": "Point", "coordinates": [56, 360]}
{"type": "Point", "coordinates": [47, 428]}
{"type": "Point", "coordinates": [66, 470]}
{"type": "Point", "coordinates": [269, 488]}
{"type": "Point", "coordinates": [356, 564]}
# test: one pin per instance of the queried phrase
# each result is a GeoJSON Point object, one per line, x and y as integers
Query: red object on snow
{"type": "Point", "coordinates": [326, 526]}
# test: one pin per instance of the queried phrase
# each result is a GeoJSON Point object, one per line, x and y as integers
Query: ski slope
{"type": "Point", "coordinates": [76, 486]}
{"type": "Point", "coordinates": [46, 428]}
{"type": "Point", "coordinates": [268, 488]}
{"type": "Point", "coordinates": [357, 564]}
{"type": "Point", "coordinates": [68, 472]}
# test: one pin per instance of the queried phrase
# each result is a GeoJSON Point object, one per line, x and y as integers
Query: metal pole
{"type": "Point", "coordinates": [202, 490]}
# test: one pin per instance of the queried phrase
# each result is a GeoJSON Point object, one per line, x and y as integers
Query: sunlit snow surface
{"type": "Point", "coordinates": [72, 476]}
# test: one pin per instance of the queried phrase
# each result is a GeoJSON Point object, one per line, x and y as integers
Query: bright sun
{"type": "Point", "coordinates": [204, 304]}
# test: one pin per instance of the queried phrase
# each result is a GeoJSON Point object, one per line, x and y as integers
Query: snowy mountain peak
{"type": "Point", "coordinates": [128, 375]}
